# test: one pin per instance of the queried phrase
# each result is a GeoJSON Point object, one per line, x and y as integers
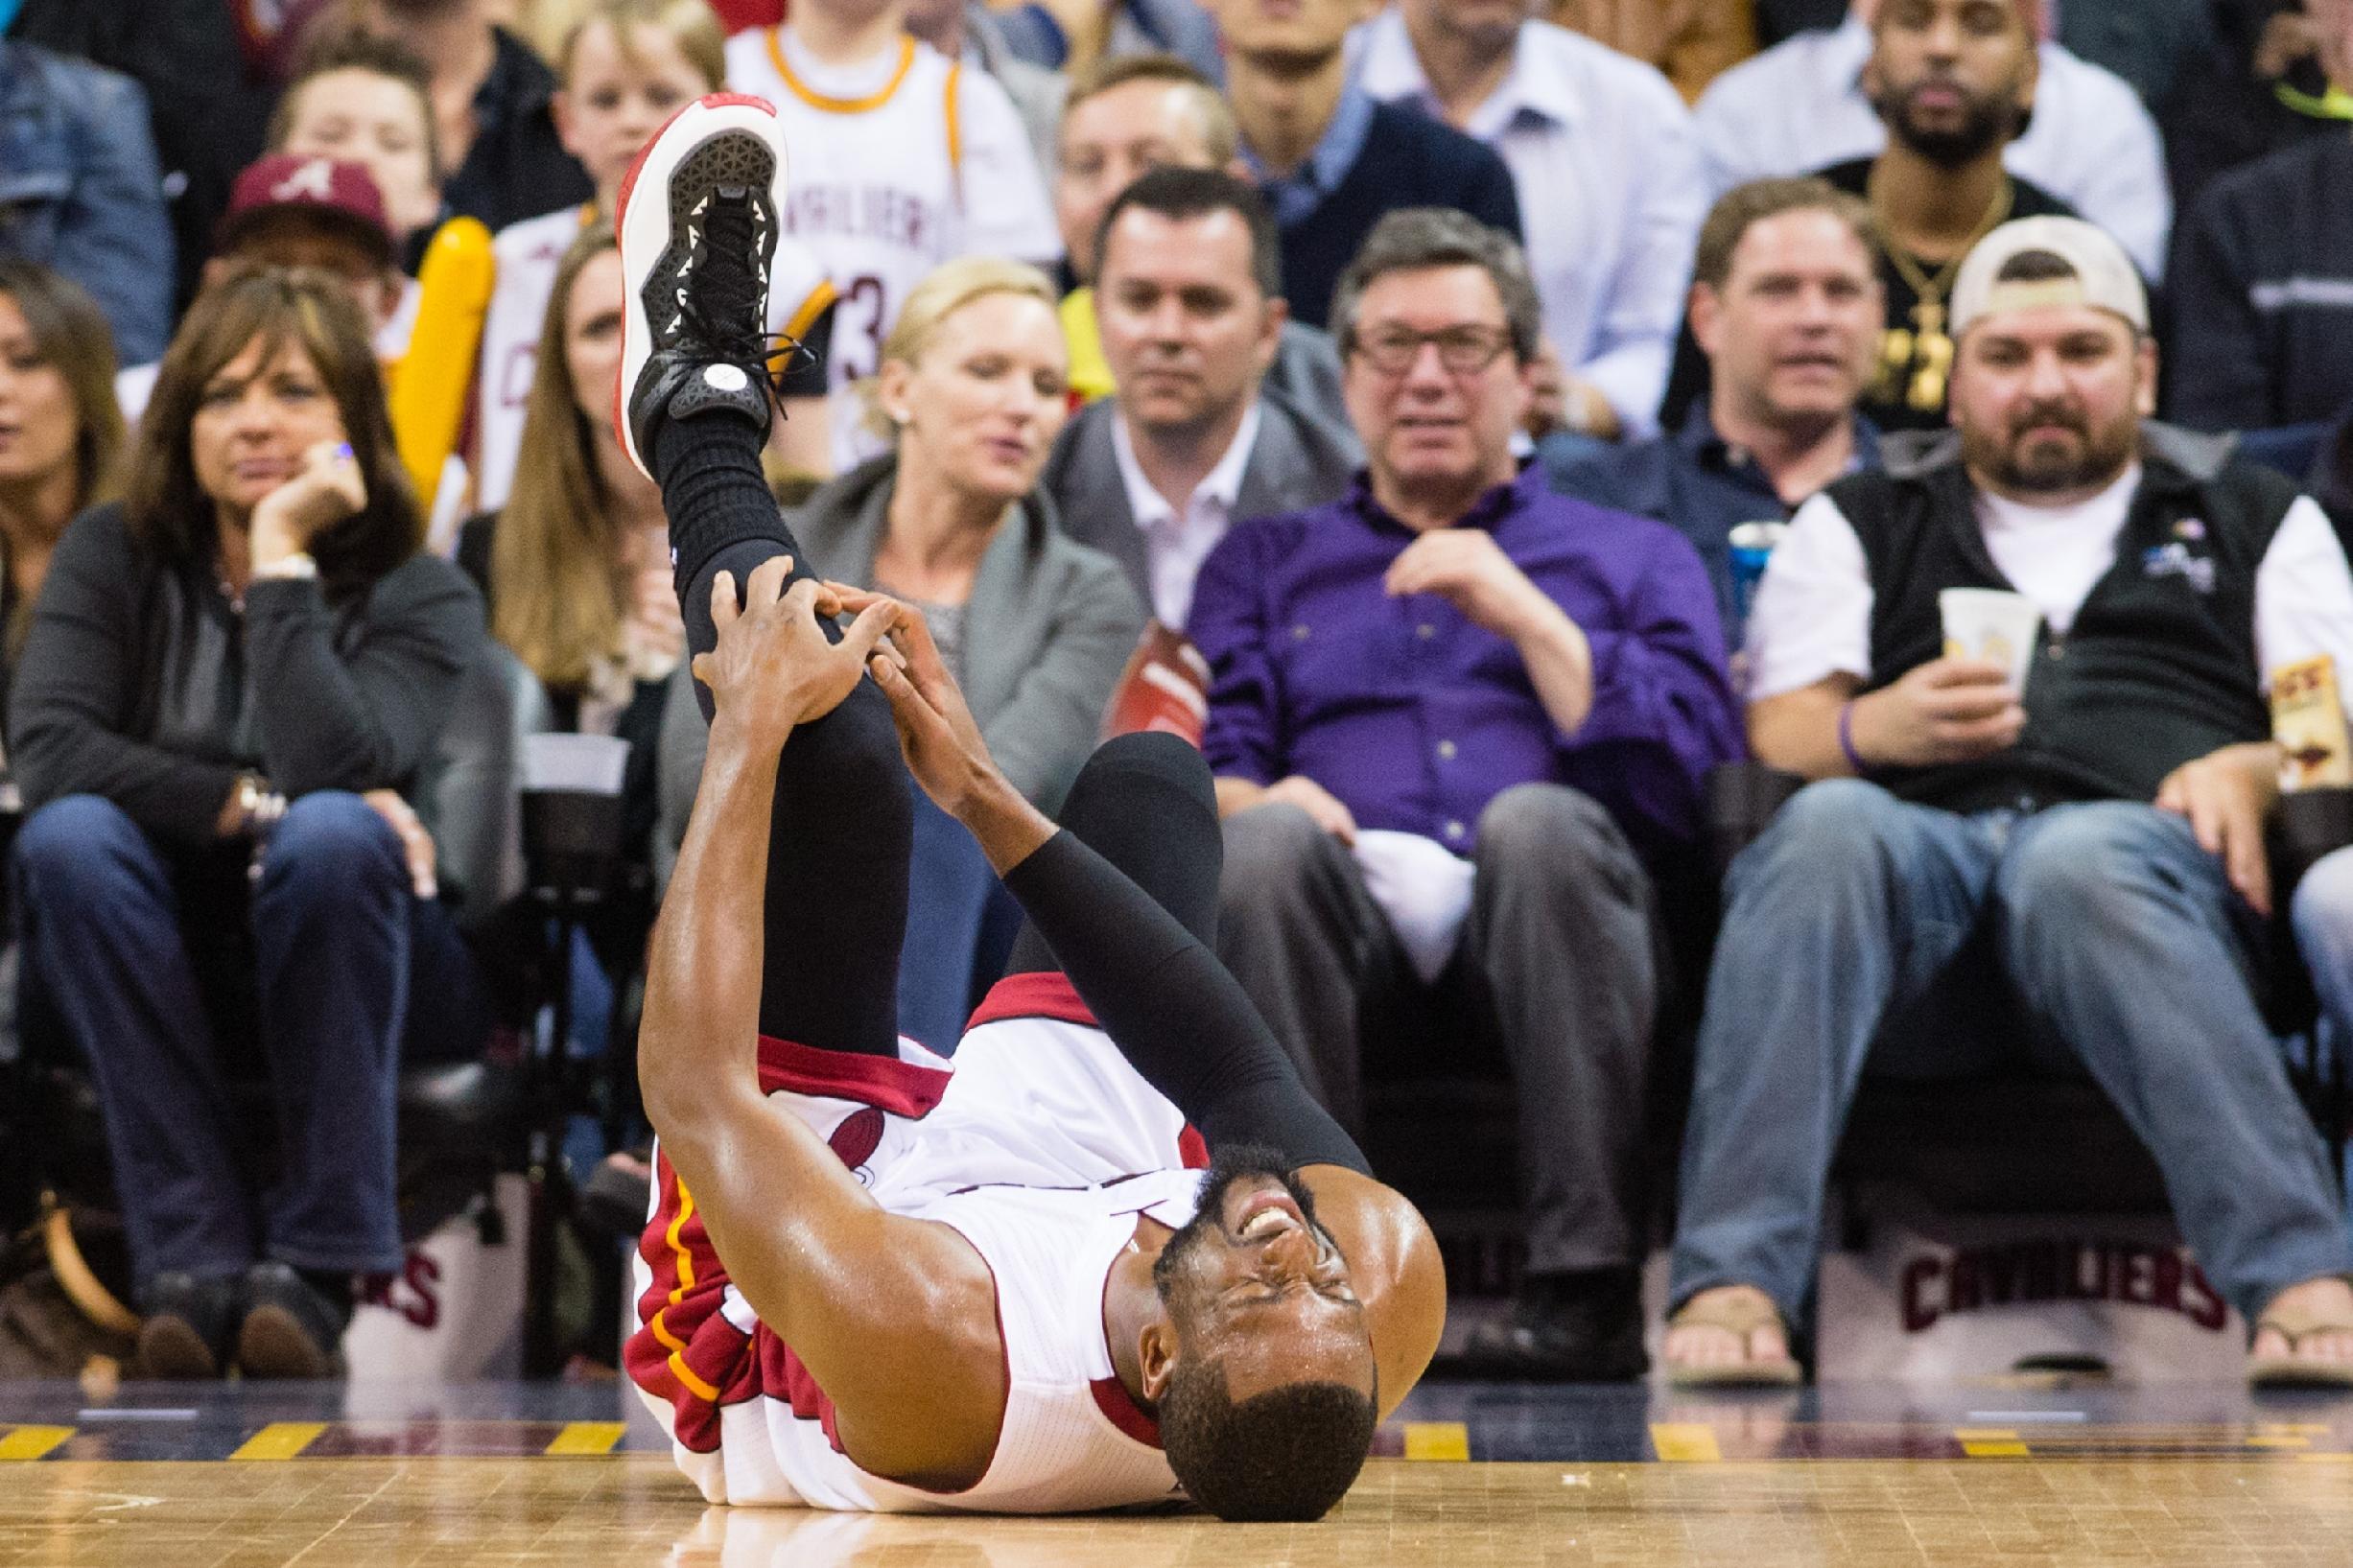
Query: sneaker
{"type": "Point", "coordinates": [1584, 1327]}
{"type": "Point", "coordinates": [291, 1329]}
{"type": "Point", "coordinates": [696, 219]}
{"type": "Point", "coordinates": [188, 1321]}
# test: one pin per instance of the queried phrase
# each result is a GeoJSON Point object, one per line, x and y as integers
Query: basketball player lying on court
{"type": "Point", "coordinates": [871, 1282]}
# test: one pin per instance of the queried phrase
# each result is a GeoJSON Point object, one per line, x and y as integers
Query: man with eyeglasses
{"type": "Point", "coordinates": [1459, 725]}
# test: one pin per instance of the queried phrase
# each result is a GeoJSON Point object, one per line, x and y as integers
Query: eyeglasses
{"type": "Point", "coordinates": [1464, 350]}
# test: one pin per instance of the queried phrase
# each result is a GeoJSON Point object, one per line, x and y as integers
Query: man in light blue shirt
{"type": "Point", "coordinates": [1800, 106]}
{"type": "Point", "coordinates": [1608, 176]}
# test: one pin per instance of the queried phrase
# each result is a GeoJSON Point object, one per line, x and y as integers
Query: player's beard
{"type": "Point", "coordinates": [1988, 120]}
{"type": "Point", "coordinates": [1237, 1162]}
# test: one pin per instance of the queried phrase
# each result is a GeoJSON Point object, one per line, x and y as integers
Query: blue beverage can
{"type": "Point", "coordinates": [1751, 546]}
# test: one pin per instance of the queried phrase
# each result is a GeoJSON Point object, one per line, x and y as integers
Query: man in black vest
{"type": "Point", "coordinates": [2088, 841]}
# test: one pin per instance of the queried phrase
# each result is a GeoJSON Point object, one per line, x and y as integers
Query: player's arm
{"type": "Point", "coordinates": [1394, 1268]}
{"type": "Point", "coordinates": [894, 1317]}
{"type": "Point", "coordinates": [1173, 1010]}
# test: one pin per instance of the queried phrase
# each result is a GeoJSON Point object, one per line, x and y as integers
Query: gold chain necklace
{"type": "Point", "coordinates": [1916, 364]}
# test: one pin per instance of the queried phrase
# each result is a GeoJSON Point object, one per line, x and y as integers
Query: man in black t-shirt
{"type": "Point", "coordinates": [1954, 81]}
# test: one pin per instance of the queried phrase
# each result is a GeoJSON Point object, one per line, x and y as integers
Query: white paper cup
{"type": "Point", "coordinates": [1989, 623]}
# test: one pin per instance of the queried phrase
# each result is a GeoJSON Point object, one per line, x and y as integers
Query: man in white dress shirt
{"type": "Point", "coordinates": [1801, 106]}
{"type": "Point", "coordinates": [1607, 171]}
{"type": "Point", "coordinates": [2088, 839]}
{"type": "Point", "coordinates": [1191, 305]}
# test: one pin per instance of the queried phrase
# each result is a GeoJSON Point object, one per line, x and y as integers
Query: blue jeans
{"type": "Point", "coordinates": [960, 926]}
{"type": "Point", "coordinates": [2323, 914]}
{"type": "Point", "coordinates": [127, 942]}
{"type": "Point", "coordinates": [1861, 928]}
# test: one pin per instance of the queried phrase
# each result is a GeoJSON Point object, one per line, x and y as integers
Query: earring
{"type": "Point", "coordinates": [900, 416]}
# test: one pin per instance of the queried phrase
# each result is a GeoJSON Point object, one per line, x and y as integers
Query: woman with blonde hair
{"type": "Point", "coordinates": [972, 390]}
{"type": "Point", "coordinates": [234, 679]}
{"type": "Point", "coordinates": [575, 566]}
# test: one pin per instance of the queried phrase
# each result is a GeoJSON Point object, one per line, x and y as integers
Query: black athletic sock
{"type": "Point", "coordinates": [708, 465]}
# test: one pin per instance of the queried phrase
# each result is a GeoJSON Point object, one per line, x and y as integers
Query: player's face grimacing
{"type": "Point", "coordinates": [1253, 1282]}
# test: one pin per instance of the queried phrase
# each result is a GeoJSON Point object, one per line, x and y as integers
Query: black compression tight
{"type": "Point", "coordinates": [1126, 902]}
{"type": "Point", "coordinates": [835, 910]}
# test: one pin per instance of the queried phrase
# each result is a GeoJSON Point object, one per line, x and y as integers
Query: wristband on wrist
{"type": "Point", "coordinates": [1846, 740]}
{"type": "Point", "coordinates": [288, 568]}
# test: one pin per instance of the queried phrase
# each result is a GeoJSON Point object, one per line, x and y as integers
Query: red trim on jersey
{"type": "Point", "coordinates": [1046, 995]}
{"type": "Point", "coordinates": [685, 1351]}
{"type": "Point", "coordinates": [1052, 996]}
{"type": "Point", "coordinates": [904, 1089]}
{"type": "Point", "coordinates": [1120, 1409]}
{"type": "Point", "coordinates": [784, 1376]}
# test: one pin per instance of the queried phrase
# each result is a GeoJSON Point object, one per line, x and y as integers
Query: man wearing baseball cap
{"type": "Point", "coordinates": [286, 210]}
{"type": "Point", "coordinates": [2086, 839]}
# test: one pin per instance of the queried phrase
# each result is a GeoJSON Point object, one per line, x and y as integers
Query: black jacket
{"type": "Point", "coordinates": [140, 683]}
{"type": "Point", "coordinates": [2262, 292]}
{"type": "Point", "coordinates": [517, 167]}
{"type": "Point", "coordinates": [2159, 667]}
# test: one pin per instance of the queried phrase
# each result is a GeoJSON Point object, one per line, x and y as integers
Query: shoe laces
{"type": "Point", "coordinates": [722, 308]}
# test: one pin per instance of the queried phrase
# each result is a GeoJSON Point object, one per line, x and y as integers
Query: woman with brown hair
{"type": "Point", "coordinates": [576, 566]}
{"type": "Point", "coordinates": [60, 432]}
{"type": "Point", "coordinates": [232, 678]}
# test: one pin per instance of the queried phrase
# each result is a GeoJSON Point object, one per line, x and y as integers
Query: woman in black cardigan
{"type": "Point", "coordinates": [231, 680]}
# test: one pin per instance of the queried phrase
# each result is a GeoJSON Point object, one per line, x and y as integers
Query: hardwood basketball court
{"type": "Point", "coordinates": [157, 1476]}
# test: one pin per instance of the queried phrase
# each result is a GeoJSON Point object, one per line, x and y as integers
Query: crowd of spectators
{"type": "Point", "coordinates": [1384, 390]}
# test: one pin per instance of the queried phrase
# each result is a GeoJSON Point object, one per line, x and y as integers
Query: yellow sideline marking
{"type": "Point", "coordinates": [280, 1439]}
{"type": "Point", "coordinates": [1987, 1442]}
{"type": "Point", "coordinates": [588, 1438]}
{"type": "Point", "coordinates": [31, 1441]}
{"type": "Point", "coordinates": [1437, 1440]}
{"type": "Point", "coordinates": [1686, 1443]}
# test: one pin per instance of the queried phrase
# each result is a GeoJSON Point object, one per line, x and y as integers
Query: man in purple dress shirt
{"type": "Point", "coordinates": [1460, 725]}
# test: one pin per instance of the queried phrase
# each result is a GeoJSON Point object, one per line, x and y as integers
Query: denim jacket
{"type": "Point", "coordinates": [81, 191]}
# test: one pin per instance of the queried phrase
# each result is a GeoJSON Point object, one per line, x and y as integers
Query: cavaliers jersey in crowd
{"type": "Point", "coordinates": [898, 164]}
{"type": "Point", "coordinates": [1041, 1147]}
{"type": "Point", "coordinates": [526, 255]}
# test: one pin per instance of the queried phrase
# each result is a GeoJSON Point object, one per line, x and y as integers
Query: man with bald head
{"type": "Point", "coordinates": [2086, 839]}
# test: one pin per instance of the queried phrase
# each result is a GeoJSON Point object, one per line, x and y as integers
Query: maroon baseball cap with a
{"type": "Point", "coordinates": [332, 188]}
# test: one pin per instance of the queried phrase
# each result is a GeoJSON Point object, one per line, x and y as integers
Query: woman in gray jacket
{"type": "Point", "coordinates": [973, 390]}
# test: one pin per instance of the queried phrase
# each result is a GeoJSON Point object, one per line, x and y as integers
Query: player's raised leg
{"type": "Point", "coordinates": [698, 225]}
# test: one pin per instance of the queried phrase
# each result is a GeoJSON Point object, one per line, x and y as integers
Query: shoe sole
{"type": "Point", "coordinates": [274, 1344]}
{"type": "Point", "coordinates": [724, 138]}
{"type": "Point", "coordinates": [172, 1350]}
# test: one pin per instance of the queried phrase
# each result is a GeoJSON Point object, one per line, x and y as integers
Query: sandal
{"type": "Point", "coordinates": [1741, 1317]}
{"type": "Point", "coordinates": [2291, 1371]}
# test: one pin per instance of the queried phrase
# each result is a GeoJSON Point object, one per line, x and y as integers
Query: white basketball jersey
{"type": "Point", "coordinates": [1041, 1148]}
{"type": "Point", "coordinates": [897, 165]}
{"type": "Point", "coordinates": [528, 256]}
